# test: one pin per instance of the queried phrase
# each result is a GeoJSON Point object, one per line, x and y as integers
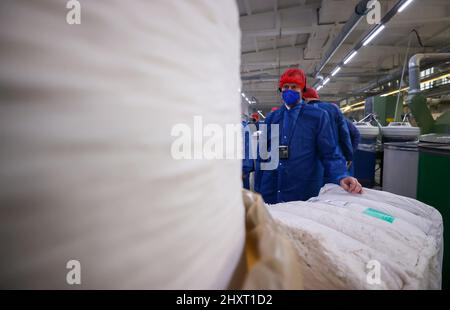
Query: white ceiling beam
{"type": "Point", "coordinates": [279, 23]}
{"type": "Point", "coordinates": [294, 40]}
{"type": "Point", "coordinates": [274, 63]}
{"type": "Point", "coordinates": [267, 54]}
{"type": "Point", "coordinates": [300, 9]}
{"type": "Point", "coordinates": [276, 32]}
{"type": "Point", "coordinates": [293, 55]}
{"type": "Point", "coordinates": [287, 7]}
{"type": "Point", "coordinates": [303, 45]}
{"type": "Point", "coordinates": [284, 53]}
{"type": "Point", "coordinates": [437, 20]}
{"type": "Point", "coordinates": [267, 70]}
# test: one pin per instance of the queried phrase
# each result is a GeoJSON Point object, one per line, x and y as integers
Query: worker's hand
{"type": "Point", "coordinates": [351, 185]}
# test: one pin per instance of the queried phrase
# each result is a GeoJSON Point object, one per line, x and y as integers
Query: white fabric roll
{"type": "Point", "coordinates": [86, 173]}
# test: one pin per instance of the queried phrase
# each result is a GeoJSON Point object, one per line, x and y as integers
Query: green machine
{"type": "Point", "coordinates": [384, 108]}
{"type": "Point", "coordinates": [433, 182]}
{"type": "Point", "coordinates": [422, 114]}
{"type": "Point", "coordinates": [433, 185]}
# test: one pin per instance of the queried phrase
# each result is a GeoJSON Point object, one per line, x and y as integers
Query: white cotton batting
{"type": "Point", "coordinates": [337, 234]}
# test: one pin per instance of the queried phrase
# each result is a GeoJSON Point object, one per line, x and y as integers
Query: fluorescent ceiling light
{"type": "Point", "coordinates": [404, 6]}
{"type": "Point", "coordinates": [369, 39]}
{"type": "Point", "coordinates": [335, 71]}
{"type": "Point", "coordinates": [326, 81]}
{"type": "Point", "coordinates": [318, 88]}
{"type": "Point", "coordinates": [346, 61]}
{"type": "Point", "coordinates": [243, 95]}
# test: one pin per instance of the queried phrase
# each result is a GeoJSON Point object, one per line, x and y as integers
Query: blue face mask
{"type": "Point", "coordinates": [291, 97]}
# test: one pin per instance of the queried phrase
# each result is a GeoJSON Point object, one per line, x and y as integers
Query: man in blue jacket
{"type": "Point", "coordinates": [307, 148]}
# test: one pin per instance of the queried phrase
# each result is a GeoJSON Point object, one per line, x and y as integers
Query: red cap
{"type": "Point", "coordinates": [274, 109]}
{"type": "Point", "coordinates": [310, 93]}
{"type": "Point", "coordinates": [255, 116]}
{"type": "Point", "coordinates": [295, 76]}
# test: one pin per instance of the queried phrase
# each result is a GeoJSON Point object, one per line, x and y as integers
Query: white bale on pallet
{"type": "Point", "coordinates": [338, 234]}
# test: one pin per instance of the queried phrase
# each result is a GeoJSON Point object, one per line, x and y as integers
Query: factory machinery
{"type": "Point", "coordinates": [413, 161]}
{"type": "Point", "coordinates": [433, 177]}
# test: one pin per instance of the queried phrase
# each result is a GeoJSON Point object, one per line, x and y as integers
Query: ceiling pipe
{"type": "Point", "coordinates": [359, 12]}
{"type": "Point", "coordinates": [414, 68]}
{"type": "Point", "coordinates": [361, 8]}
{"type": "Point", "coordinates": [394, 75]}
{"type": "Point", "coordinates": [416, 101]}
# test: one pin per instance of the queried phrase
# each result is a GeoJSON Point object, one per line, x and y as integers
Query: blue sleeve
{"type": "Point", "coordinates": [354, 134]}
{"type": "Point", "coordinates": [345, 141]}
{"type": "Point", "coordinates": [247, 166]}
{"type": "Point", "coordinates": [334, 164]}
{"type": "Point", "coordinates": [247, 161]}
{"type": "Point", "coordinates": [265, 134]}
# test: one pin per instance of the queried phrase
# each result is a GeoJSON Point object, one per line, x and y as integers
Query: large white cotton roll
{"type": "Point", "coordinates": [86, 172]}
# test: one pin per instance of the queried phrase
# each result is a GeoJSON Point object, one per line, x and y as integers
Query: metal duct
{"type": "Point", "coordinates": [360, 11]}
{"type": "Point", "coordinates": [392, 76]}
{"type": "Point", "coordinates": [414, 69]}
{"type": "Point", "coordinates": [354, 19]}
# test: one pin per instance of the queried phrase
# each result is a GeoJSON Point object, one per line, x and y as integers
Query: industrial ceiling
{"type": "Point", "coordinates": [277, 34]}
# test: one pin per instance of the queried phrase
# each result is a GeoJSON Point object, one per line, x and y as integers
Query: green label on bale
{"type": "Point", "coordinates": [379, 215]}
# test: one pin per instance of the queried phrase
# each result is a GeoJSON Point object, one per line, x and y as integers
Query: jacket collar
{"type": "Point", "coordinates": [297, 106]}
